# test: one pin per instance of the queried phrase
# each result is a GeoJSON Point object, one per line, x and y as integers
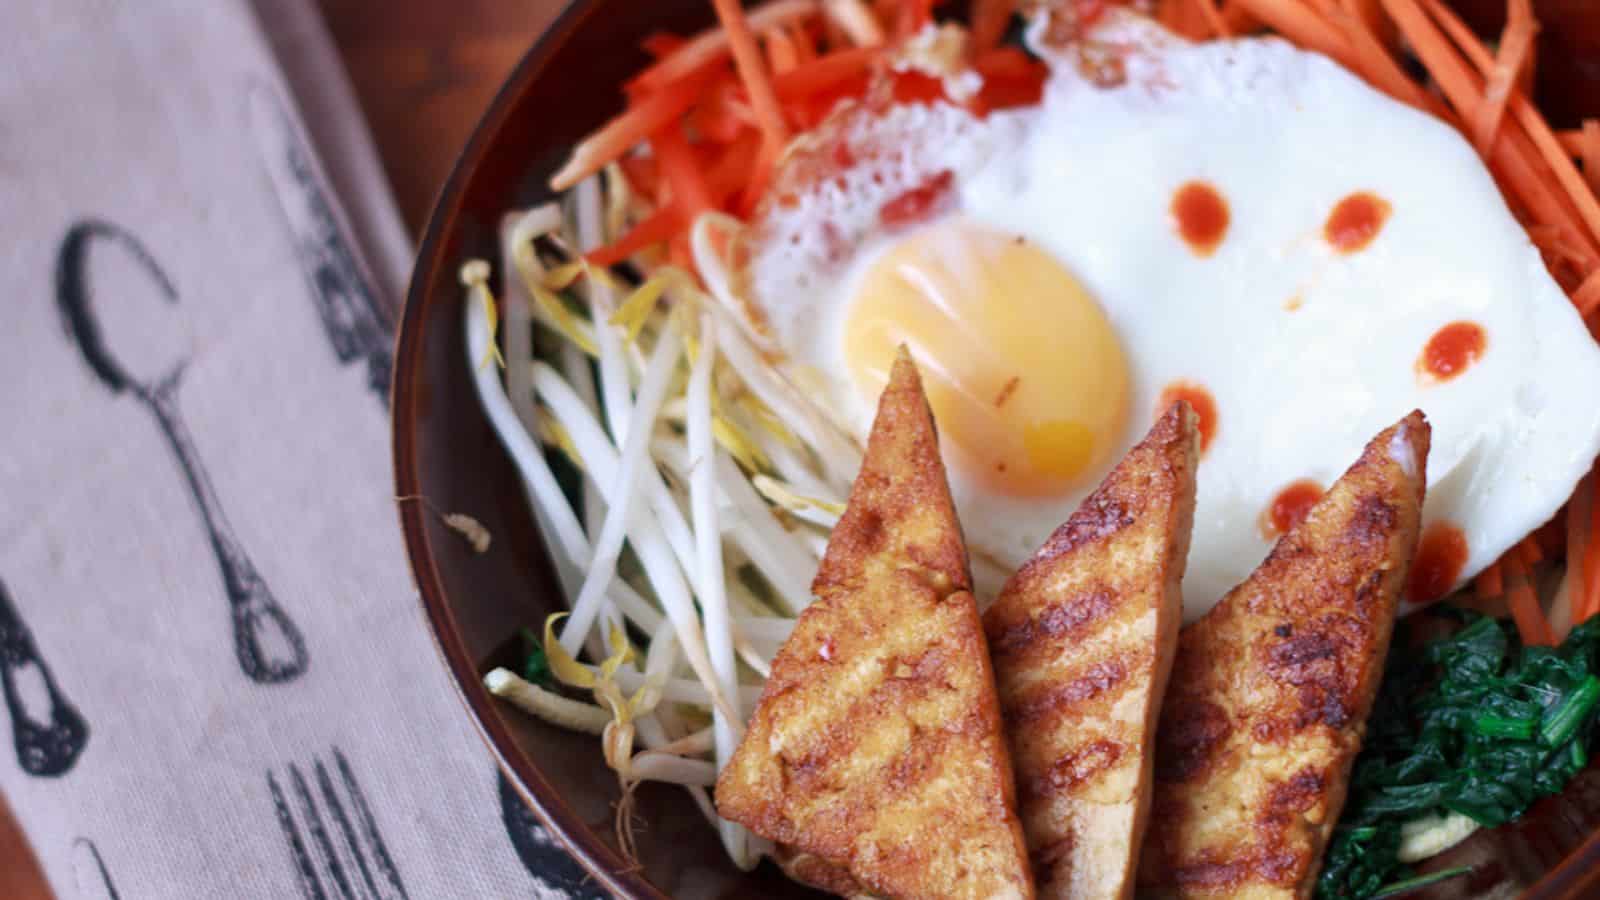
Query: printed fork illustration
{"type": "Point", "coordinates": [332, 837]}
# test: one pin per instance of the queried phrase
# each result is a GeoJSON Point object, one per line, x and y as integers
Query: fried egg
{"type": "Point", "coordinates": [1239, 223]}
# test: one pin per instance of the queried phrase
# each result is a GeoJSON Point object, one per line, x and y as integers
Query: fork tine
{"type": "Point", "coordinates": [369, 826]}
{"type": "Point", "coordinates": [319, 834]}
{"type": "Point", "coordinates": [330, 799]}
{"type": "Point", "coordinates": [310, 883]}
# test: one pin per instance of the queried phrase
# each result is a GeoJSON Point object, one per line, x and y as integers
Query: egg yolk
{"type": "Point", "coordinates": [1023, 371]}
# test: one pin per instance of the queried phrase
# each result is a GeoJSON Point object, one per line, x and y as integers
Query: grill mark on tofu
{"type": "Point", "coordinates": [1208, 873]}
{"type": "Point", "coordinates": [1190, 734]}
{"type": "Point", "coordinates": [1077, 767]}
{"type": "Point", "coordinates": [1056, 621]}
{"type": "Point", "coordinates": [1098, 518]}
{"type": "Point", "coordinates": [1099, 681]}
{"type": "Point", "coordinates": [1296, 795]}
{"type": "Point", "coordinates": [1045, 860]}
{"type": "Point", "coordinates": [1372, 522]}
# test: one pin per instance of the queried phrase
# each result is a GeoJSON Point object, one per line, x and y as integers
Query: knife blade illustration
{"type": "Point", "coordinates": [356, 322]}
{"type": "Point", "coordinates": [268, 644]}
{"type": "Point", "coordinates": [89, 868]}
{"type": "Point", "coordinates": [47, 742]}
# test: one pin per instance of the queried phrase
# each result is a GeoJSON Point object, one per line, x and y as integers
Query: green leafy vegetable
{"type": "Point", "coordinates": [535, 667]}
{"type": "Point", "coordinates": [1419, 882]}
{"type": "Point", "coordinates": [1472, 723]}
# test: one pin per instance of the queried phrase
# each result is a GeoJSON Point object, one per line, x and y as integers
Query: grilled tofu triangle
{"type": "Point", "coordinates": [1082, 639]}
{"type": "Point", "coordinates": [1270, 690]}
{"type": "Point", "coordinates": [876, 746]}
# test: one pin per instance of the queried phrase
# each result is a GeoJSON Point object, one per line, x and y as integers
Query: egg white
{"type": "Point", "coordinates": [1307, 352]}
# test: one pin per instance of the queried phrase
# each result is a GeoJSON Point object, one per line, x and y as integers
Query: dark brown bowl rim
{"type": "Point", "coordinates": [1575, 876]}
{"type": "Point", "coordinates": [602, 861]}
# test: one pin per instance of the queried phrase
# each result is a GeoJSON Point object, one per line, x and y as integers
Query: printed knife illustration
{"type": "Point", "coordinates": [267, 642]}
{"type": "Point", "coordinates": [356, 322]}
{"type": "Point", "coordinates": [46, 744]}
{"type": "Point", "coordinates": [94, 881]}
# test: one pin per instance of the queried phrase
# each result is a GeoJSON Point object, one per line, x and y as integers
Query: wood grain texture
{"type": "Point", "coordinates": [20, 877]}
{"type": "Point", "coordinates": [424, 72]}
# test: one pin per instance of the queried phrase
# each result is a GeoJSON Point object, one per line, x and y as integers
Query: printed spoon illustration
{"type": "Point", "coordinates": [543, 856]}
{"type": "Point", "coordinates": [267, 642]}
{"type": "Point", "coordinates": [43, 747]}
{"type": "Point", "coordinates": [356, 324]}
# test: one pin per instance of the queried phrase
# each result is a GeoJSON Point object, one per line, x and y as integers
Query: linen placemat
{"type": "Point", "coordinates": [216, 675]}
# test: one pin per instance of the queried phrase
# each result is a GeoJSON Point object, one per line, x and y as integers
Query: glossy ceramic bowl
{"type": "Point", "coordinates": [565, 86]}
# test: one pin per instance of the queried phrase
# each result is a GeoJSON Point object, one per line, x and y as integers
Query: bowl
{"type": "Point", "coordinates": [567, 84]}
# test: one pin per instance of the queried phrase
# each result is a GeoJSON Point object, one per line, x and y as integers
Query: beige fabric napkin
{"type": "Point", "coordinates": [217, 681]}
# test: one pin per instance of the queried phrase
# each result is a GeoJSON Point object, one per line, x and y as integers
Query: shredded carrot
{"type": "Point", "coordinates": [1525, 611]}
{"type": "Point", "coordinates": [1239, 19]}
{"type": "Point", "coordinates": [1586, 503]}
{"type": "Point", "coordinates": [678, 252]}
{"type": "Point", "coordinates": [1304, 26]}
{"type": "Point", "coordinates": [1570, 529]}
{"type": "Point", "coordinates": [1587, 297]}
{"type": "Point", "coordinates": [734, 167]}
{"type": "Point", "coordinates": [1372, 16]}
{"type": "Point", "coordinates": [656, 228]}
{"type": "Point", "coordinates": [987, 25]}
{"type": "Point", "coordinates": [1490, 582]}
{"type": "Point", "coordinates": [1516, 43]}
{"type": "Point", "coordinates": [1544, 140]}
{"type": "Point", "coordinates": [621, 134]}
{"type": "Point", "coordinates": [1552, 538]}
{"type": "Point", "coordinates": [753, 72]}
{"type": "Point", "coordinates": [913, 15]}
{"type": "Point", "coordinates": [782, 55]}
{"type": "Point", "coordinates": [1004, 62]}
{"type": "Point", "coordinates": [759, 179]}
{"type": "Point", "coordinates": [824, 73]}
{"type": "Point", "coordinates": [1567, 260]}
{"type": "Point", "coordinates": [1010, 78]}
{"type": "Point", "coordinates": [661, 44]}
{"type": "Point", "coordinates": [722, 114]}
{"type": "Point", "coordinates": [1213, 17]}
{"type": "Point", "coordinates": [644, 176]}
{"type": "Point", "coordinates": [690, 193]}
{"type": "Point", "coordinates": [712, 45]}
{"type": "Point", "coordinates": [805, 46]}
{"type": "Point", "coordinates": [1513, 158]}
{"type": "Point", "coordinates": [1186, 18]}
{"type": "Point", "coordinates": [1589, 152]}
{"type": "Point", "coordinates": [1591, 569]}
{"type": "Point", "coordinates": [1529, 552]}
{"type": "Point", "coordinates": [1372, 60]}
{"type": "Point", "coordinates": [857, 23]}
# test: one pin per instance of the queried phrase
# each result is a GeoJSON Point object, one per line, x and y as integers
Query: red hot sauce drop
{"type": "Point", "coordinates": [1356, 221]}
{"type": "Point", "coordinates": [1441, 555]}
{"type": "Point", "coordinates": [1289, 508]}
{"type": "Point", "coordinates": [1452, 350]}
{"type": "Point", "coordinates": [1201, 215]}
{"type": "Point", "coordinates": [1205, 407]}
